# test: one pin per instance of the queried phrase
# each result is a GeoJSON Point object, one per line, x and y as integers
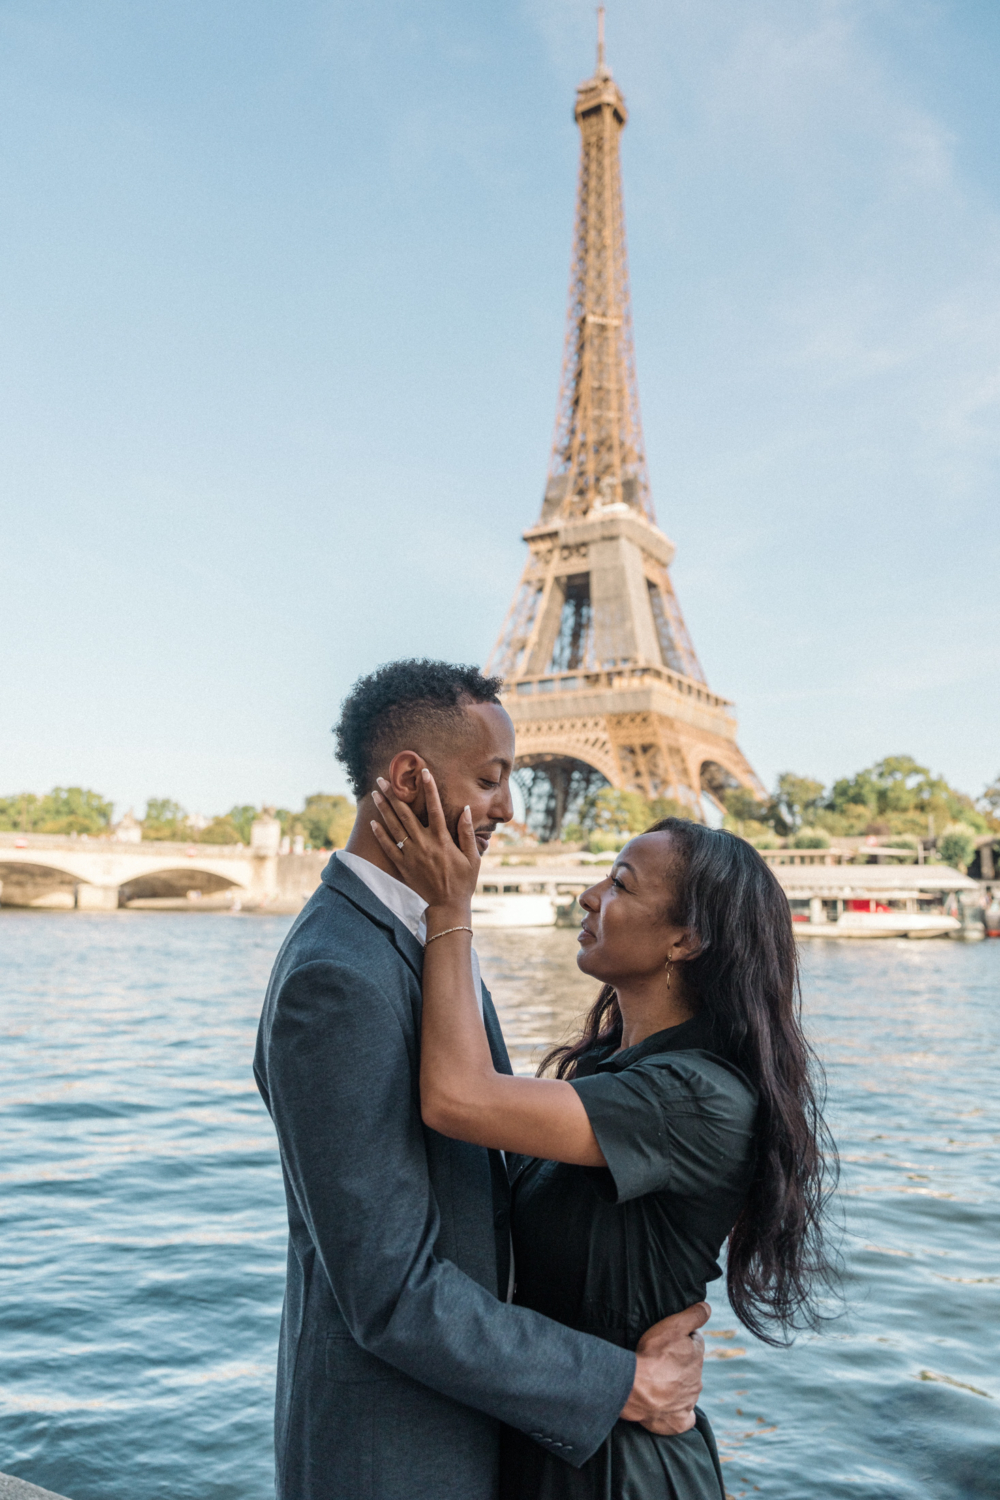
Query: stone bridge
{"type": "Point", "coordinates": [103, 874]}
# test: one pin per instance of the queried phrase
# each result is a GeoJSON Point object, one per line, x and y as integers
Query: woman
{"type": "Point", "coordinates": [684, 1116]}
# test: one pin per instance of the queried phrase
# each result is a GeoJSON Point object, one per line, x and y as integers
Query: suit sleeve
{"type": "Point", "coordinates": [342, 1089]}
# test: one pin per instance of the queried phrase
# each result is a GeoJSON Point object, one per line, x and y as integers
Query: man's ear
{"type": "Point", "coordinates": [404, 778]}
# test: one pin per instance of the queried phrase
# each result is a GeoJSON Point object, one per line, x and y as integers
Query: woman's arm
{"type": "Point", "coordinates": [461, 1094]}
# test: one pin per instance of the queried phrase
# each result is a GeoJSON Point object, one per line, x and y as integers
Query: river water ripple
{"type": "Point", "coordinates": [142, 1249]}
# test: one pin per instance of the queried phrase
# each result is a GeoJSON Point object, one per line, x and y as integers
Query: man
{"type": "Point", "coordinates": [400, 1352]}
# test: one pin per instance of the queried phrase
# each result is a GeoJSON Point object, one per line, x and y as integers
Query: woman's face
{"type": "Point", "coordinates": [625, 933]}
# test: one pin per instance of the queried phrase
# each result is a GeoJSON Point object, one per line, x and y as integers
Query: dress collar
{"type": "Point", "coordinates": [690, 1036]}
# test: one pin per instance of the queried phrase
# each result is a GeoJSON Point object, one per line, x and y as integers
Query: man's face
{"type": "Point", "coordinates": [473, 768]}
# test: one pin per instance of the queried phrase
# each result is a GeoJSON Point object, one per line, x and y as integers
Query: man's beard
{"type": "Point", "coordinates": [451, 817]}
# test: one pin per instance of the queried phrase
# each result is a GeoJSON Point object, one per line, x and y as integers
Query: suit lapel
{"type": "Point", "coordinates": [494, 1035]}
{"type": "Point", "coordinates": [500, 1165]}
{"type": "Point", "coordinates": [340, 878]}
{"type": "Point", "coordinates": [408, 946]}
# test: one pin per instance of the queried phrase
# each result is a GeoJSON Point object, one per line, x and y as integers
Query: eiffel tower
{"type": "Point", "coordinates": [600, 675]}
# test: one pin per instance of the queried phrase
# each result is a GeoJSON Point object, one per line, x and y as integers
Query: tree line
{"type": "Point", "coordinates": [896, 800]}
{"type": "Point", "coordinates": [323, 822]}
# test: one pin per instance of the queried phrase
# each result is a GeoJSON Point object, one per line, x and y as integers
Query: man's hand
{"type": "Point", "coordinates": [667, 1383]}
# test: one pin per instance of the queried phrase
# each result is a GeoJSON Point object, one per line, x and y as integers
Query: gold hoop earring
{"type": "Point", "coordinates": [670, 973]}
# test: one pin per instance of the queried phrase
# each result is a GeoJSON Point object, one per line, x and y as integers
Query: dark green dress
{"type": "Point", "coordinates": [613, 1250]}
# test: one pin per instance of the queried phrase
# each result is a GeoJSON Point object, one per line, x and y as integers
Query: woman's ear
{"type": "Point", "coordinates": [686, 946]}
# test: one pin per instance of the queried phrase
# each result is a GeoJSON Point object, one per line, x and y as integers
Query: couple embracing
{"type": "Point", "coordinates": [495, 1284]}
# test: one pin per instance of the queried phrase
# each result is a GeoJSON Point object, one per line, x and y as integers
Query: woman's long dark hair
{"type": "Point", "coordinates": [745, 982]}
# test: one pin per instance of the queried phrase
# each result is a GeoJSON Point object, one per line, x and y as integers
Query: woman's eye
{"type": "Point", "coordinates": [616, 882]}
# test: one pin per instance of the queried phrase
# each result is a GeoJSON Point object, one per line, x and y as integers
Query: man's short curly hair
{"type": "Point", "coordinates": [385, 711]}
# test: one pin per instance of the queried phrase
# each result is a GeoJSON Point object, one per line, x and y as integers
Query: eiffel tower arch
{"type": "Point", "coordinates": [601, 677]}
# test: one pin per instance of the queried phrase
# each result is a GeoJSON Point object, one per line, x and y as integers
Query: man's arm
{"type": "Point", "coordinates": [342, 1091]}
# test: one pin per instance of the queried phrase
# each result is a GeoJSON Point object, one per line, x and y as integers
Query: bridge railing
{"type": "Point", "coordinates": [105, 844]}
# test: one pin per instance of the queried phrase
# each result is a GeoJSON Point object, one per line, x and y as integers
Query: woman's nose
{"type": "Point", "coordinates": [590, 900]}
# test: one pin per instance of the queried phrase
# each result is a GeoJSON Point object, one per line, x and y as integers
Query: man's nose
{"type": "Point", "coordinates": [502, 805]}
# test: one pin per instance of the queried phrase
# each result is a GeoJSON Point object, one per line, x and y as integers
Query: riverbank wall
{"type": "Point", "coordinates": [20, 1489]}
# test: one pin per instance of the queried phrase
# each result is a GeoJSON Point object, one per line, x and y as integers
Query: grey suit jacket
{"type": "Point", "coordinates": [397, 1359]}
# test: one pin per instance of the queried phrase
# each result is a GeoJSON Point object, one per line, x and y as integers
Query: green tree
{"type": "Point", "coordinates": [221, 830]}
{"type": "Point", "coordinates": [615, 813]}
{"type": "Point", "coordinates": [957, 845]}
{"type": "Point", "coordinates": [17, 814]}
{"type": "Point", "coordinates": [989, 803]}
{"type": "Point", "coordinates": [325, 821]}
{"type": "Point", "coordinates": [845, 821]}
{"type": "Point", "coordinates": [811, 838]}
{"type": "Point", "coordinates": [66, 809]}
{"type": "Point", "coordinates": [744, 814]}
{"type": "Point", "coordinates": [898, 795]}
{"type": "Point", "coordinates": [165, 819]}
{"type": "Point", "coordinates": [242, 817]}
{"type": "Point", "coordinates": [796, 800]}
{"type": "Point", "coordinates": [667, 807]}
{"type": "Point", "coordinates": [608, 817]}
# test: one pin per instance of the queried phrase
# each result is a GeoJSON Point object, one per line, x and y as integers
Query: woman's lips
{"type": "Point", "coordinates": [585, 933]}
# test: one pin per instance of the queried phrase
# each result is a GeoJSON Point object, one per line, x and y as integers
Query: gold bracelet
{"type": "Point", "coordinates": [446, 932]}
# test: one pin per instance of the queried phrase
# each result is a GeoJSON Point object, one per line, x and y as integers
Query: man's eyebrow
{"type": "Point", "coordinates": [498, 760]}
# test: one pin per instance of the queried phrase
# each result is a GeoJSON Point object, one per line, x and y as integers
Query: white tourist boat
{"type": "Point", "coordinates": [880, 901]}
{"type": "Point", "coordinates": [879, 923]}
{"type": "Point", "coordinates": [513, 910]}
{"type": "Point", "coordinates": [530, 897]}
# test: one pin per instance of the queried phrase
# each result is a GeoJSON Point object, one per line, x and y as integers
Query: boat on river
{"type": "Point", "coordinates": [530, 897]}
{"type": "Point", "coordinates": [881, 901]}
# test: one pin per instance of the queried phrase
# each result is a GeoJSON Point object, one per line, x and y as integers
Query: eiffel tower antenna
{"type": "Point", "coordinates": [600, 674]}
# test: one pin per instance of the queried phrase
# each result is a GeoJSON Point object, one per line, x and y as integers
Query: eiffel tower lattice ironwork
{"type": "Point", "coordinates": [600, 675]}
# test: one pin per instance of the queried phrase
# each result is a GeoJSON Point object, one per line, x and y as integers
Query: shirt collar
{"type": "Point", "coordinates": [401, 901]}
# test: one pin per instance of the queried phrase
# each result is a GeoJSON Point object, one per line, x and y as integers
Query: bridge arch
{"type": "Point", "coordinates": [173, 882]}
{"type": "Point", "coordinates": [37, 884]}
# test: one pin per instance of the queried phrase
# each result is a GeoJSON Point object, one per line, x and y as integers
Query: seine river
{"type": "Point", "coordinates": [142, 1253]}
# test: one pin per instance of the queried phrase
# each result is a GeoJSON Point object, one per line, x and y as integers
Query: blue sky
{"type": "Point", "coordinates": [282, 292]}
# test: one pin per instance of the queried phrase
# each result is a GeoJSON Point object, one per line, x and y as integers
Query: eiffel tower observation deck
{"type": "Point", "coordinates": [600, 674]}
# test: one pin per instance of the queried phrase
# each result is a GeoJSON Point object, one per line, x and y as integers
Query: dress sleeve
{"type": "Point", "coordinates": [679, 1122]}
